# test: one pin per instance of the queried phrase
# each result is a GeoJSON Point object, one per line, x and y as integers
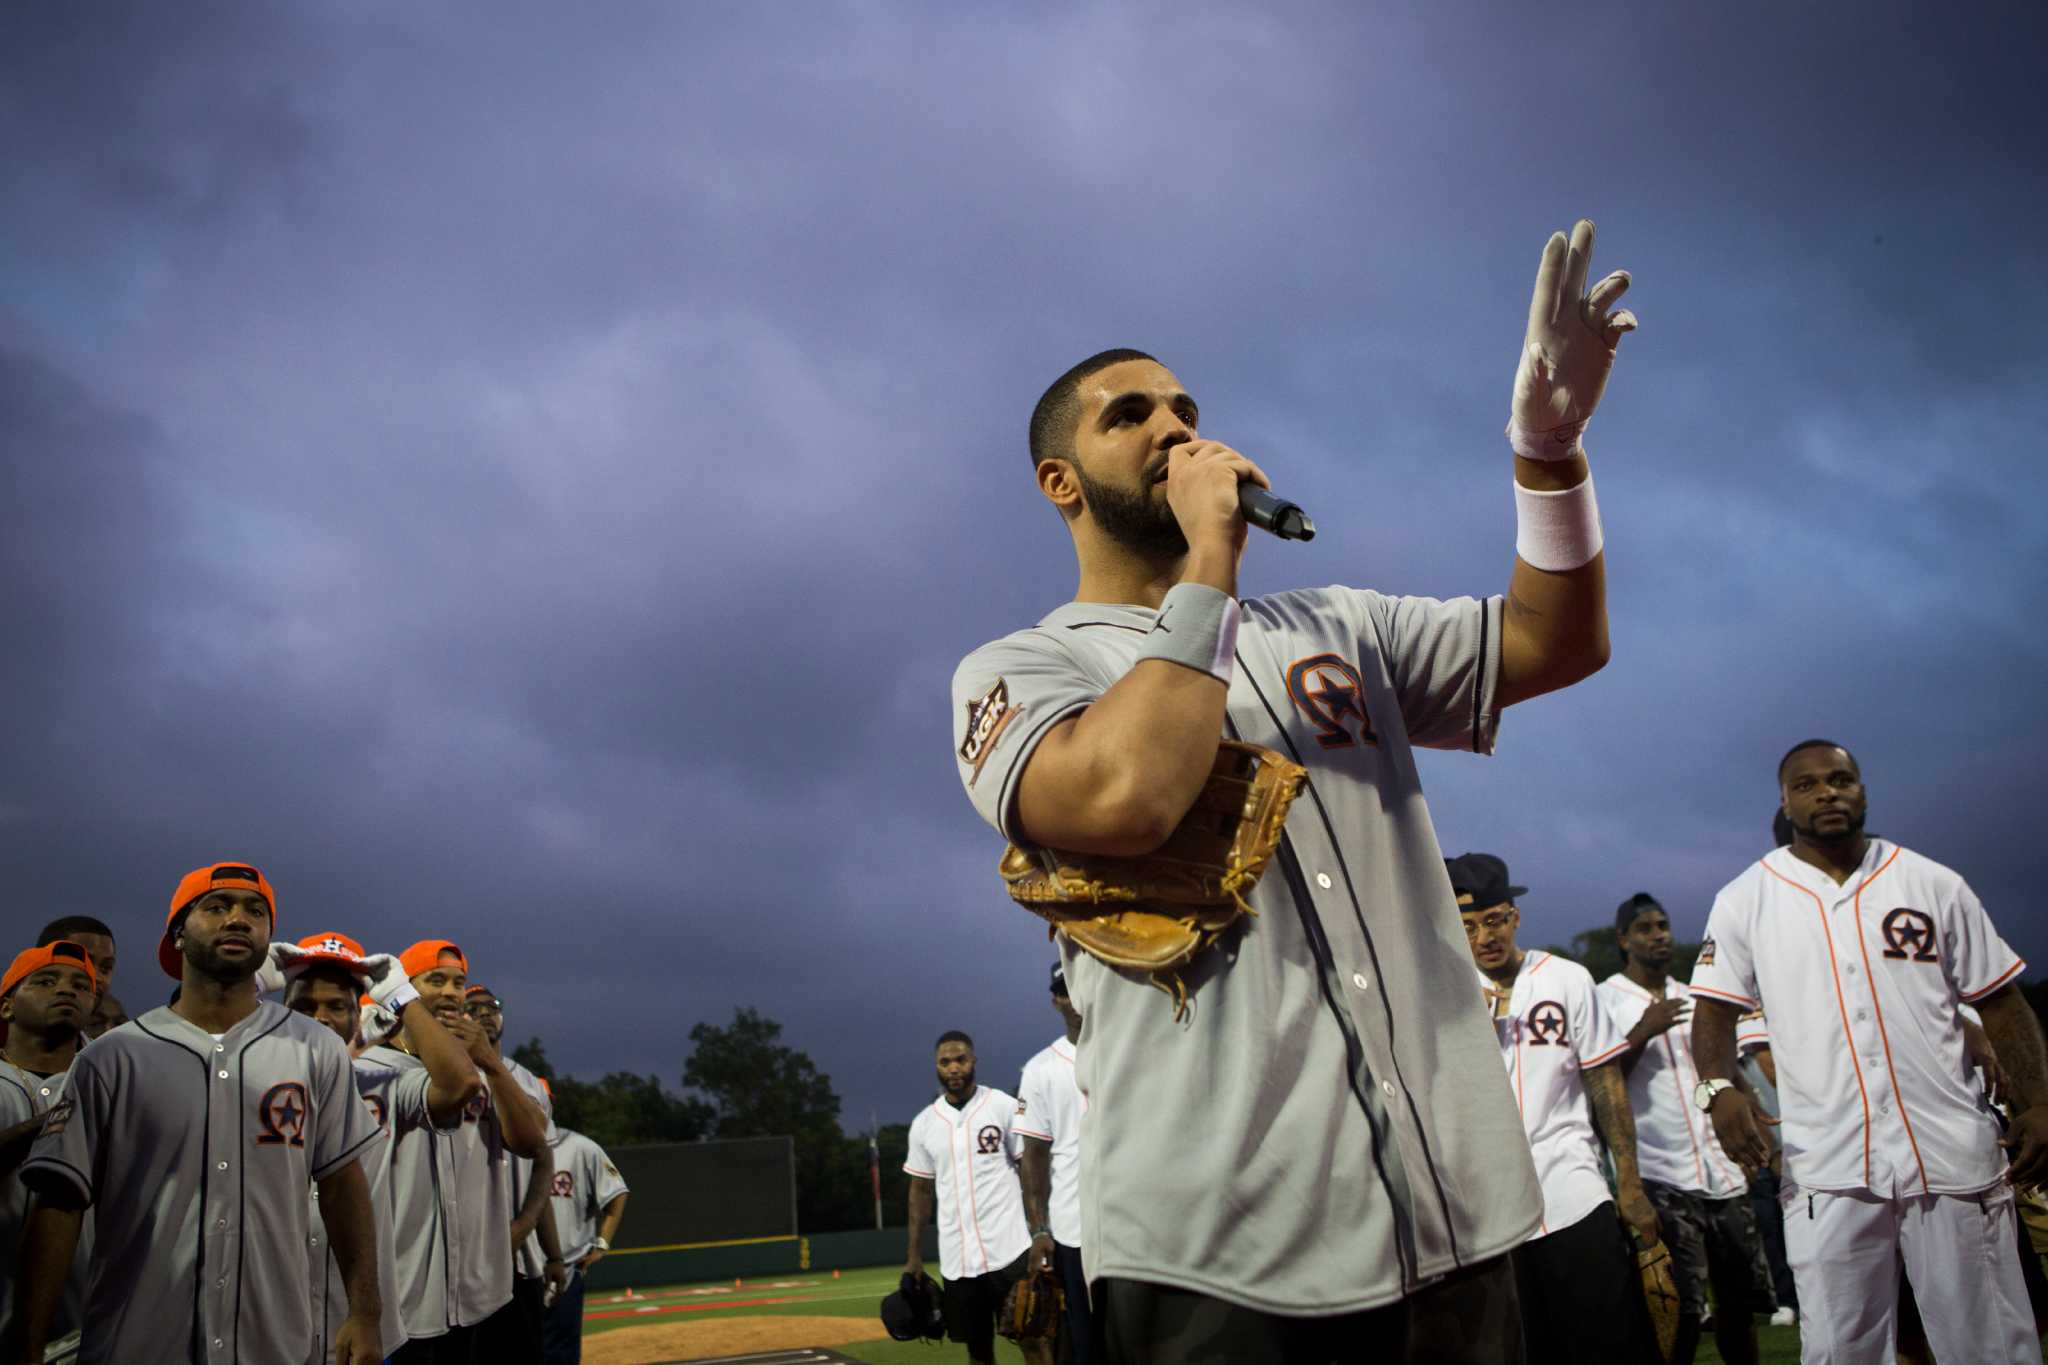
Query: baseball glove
{"type": "Point", "coordinates": [1660, 1292]}
{"type": "Point", "coordinates": [1155, 912]}
{"type": "Point", "coordinates": [1032, 1309]}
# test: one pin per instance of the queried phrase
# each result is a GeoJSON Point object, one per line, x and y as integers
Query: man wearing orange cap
{"type": "Point", "coordinates": [45, 999]}
{"type": "Point", "coordinates": [325, 976]}
{"type": "Point", "coordinates": [97, 939]}
{"type": "Point", "coordinates": [451, 1189]}
{"type": "Point", "coordinates": [192, 1134]}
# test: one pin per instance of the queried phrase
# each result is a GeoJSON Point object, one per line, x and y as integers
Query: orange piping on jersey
{"type": "Point", "coordinates": [1855, 1062]}
{"type": "Point", "coordinates": [1699, 1169]}
{"type": "Point", "coordinates": [2019, 964]}
{"type": "Point", "coordinates": [1883, 1034]}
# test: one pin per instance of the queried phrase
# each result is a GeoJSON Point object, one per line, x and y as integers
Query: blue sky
{"type": "Point", "coordinates": [526, 475]}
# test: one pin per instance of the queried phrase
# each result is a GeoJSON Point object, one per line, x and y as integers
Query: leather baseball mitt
{"type": "Point", "coordinates": [1660, 1292]}
{"type": "Point", "coordinates": [1032, 1309]}
{"type": "Point", "coordinates": [1154, 913]}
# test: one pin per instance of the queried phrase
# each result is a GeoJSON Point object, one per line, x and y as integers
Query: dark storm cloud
{"type": "Point", "coordinates": [528, 475]}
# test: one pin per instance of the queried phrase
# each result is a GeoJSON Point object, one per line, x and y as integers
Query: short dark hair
{"type": "Point", "coordinates": [1059, 407]}
{"type": "Point", "coordinates": [953, 1035]}
{"type": "Point", "coordinates": [1803, 745]}
{"type": "Point", "coordinates": [1626, 913]}
{"type": "Point", "coordinates": [335, 974]}
{"type": "Point", "coordinates": [67, 925]}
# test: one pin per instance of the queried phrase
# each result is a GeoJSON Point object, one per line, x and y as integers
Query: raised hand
{"type": "Point", "coordinates": [1568, 349]}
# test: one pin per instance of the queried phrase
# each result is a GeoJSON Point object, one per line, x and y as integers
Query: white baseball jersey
{"type": "Point", "coordinates": [530, 1262]}
{"type": "Point", "coordinates": [969, 1156]}
{"type": "Point", "coordinates": [1050, 1107]}
{"type": "Point", "coordinates": [23, 1095]}
{"type": "Point", "coordinates": [397, 1102]}
{"type": "Point", "coordinates": [585, 1181]}
{"type": "Point", "coordinates": [1861, 983]}
{"type": "Point", "coordinates": [1555, 1028]}
{"type": "Point", "coordinates": [1327, 1196]}
{"type": "Point", "coordinates": [1675, 1142]}
{"type": "Point", "coordinates": [194, 1154]}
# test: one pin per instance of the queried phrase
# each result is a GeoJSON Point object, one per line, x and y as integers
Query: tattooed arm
{"type": "Point", "coordinates": [1607, 1092]}
{"type": "Point", "coordinates": [2015, 1032]}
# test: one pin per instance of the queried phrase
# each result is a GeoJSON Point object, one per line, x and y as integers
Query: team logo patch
{"type": "Point", "coordinates": [564, 1185]}
{"type": "Point", "coordinates": [989, 1139]}
{"type": "Point", "coordinates": [282, 1111]}
{"type": "Point", "coordinates": [1329, 692]}
{"type": "Point", "coordinates": [56, 1118]}
{"type": "Point", "coordinates": [1547, 1024]}
{"type": "Point", "coordinates": [987, 717]}
{"type": "Point", "coordinates": [334, 947]}
{"type": "Point", "coordinates": [1909, 936]}
{"type": "Point", "coordinates": [1706, 957]}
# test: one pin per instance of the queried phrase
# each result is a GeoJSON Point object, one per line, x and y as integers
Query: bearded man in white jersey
{"type": "Point", "coordinates": [1861, 953]}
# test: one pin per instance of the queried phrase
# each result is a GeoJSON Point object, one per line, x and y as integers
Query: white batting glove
{"type": "Point", "coordinates": [275, 972]}
{"type": "Point", "coordinates": [1568, 350]}
{"type": "Point", "coordinates": [388, 984]}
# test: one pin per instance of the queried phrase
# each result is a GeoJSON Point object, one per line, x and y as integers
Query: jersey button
{"type": "Point", "coordinates": [223, 1075]}
{"type": "Point", "coordinates": [220, 1047]}
{"type": "Point", "coordinates": [223, 1166]}
{"type": "Point", "coordinates": [1358, 980]}
{"type": "Point", "coordinates": [1388, 1086]}
{"type": "Point", "coordinates": [1323, 880]}
{"type": "Point", "coordinates": [1850, 968]}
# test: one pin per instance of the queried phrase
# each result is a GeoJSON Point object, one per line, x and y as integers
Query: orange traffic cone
{"type": "Point", "coordinates": [735, 1282]}
{"type": "Point", "coordinates": [835, 1274]}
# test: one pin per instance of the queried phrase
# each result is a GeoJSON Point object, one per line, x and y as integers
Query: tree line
{"type": "Point", "coordinates": [741, 1081]}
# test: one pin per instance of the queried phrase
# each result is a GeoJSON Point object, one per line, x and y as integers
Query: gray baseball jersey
{"type": "Point", "coordinates": [585, 1181]}
{"type": "Point", "coordinates": [530, 1262]}
{"type": "Point", "coordinates": [194, 1154]}
{"type": "Point", "coordinates": [415, 1202]}
{"type": "Point", "coordinates": [1335, 1093]}
{"type": "Point", "coordinates": [23, 1095]}
{"type": "Point", "coordinates": [397, 1101]}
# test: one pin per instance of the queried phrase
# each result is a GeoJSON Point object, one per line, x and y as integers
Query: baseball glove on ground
{"type": "Point", "coordinates": [1660, 1292]}
{"type": "Point", "coordinates": [1032, 1309]}
{"type": "Point", "coordinates": [1154, 913]}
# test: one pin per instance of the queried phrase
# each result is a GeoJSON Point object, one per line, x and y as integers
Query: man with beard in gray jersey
{"type": "Point", "coordinates": [1347, 1169]}
{"type": "Point", "coordinates": [192, 1134]}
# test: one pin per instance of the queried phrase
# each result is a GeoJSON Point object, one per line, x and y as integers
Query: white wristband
{"type": "Point", "coordinates": [1559, 531]}
{"type": "Point", "coordinates": [1559, 443]}
{"type": "Point", "coordinates": [1197, 627]}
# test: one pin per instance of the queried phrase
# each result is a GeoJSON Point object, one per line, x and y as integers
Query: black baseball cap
{"type": "Point", "coordinates": [1480, 881]}
{"type": "Point", "coordinates": [1059, 978]}
{"type": "Point", "coordinates": [1640, 903]}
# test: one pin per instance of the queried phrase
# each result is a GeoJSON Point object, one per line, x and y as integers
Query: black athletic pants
{"type": "Point", "coordinates": [511, 1336]}
{"type": "Point", "coordinates": [456, 1346]}
{"type": "Point", "coordinates": [1466, 1318]}
{"type": "Point", "coordinates": [1582, 1296]}
{"type": "Point", "coordinates": [1077, 1332]}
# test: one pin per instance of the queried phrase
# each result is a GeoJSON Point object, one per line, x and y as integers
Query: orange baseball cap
{"type": "Point", "coordinates": [425, 955]}
{"type": "Point", "coordinates": [32, 960]}
{"type": "Point", "coordinates": [337, 948]}
{"type": "Point", "coordinates": [196, 883]}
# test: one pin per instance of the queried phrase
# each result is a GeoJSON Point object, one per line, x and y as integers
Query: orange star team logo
{"type": "Point", "coordinates": [1329, 692]}
{"type": "Point", "coordinates": [282, 1111]}
{"type": "Point", "coordinates": [1909, 936]}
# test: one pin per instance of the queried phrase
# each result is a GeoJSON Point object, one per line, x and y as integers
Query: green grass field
{"type": "Point", "coordinates": [859, 1293]}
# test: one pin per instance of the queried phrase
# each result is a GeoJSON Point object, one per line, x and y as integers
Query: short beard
{"type": "Point", "coordinates": [966, 1082]}
{"type": "Point", "coordinates": [1132, 520]}
{"type": "Point", "coordinates": [202, 958]}
{"type": "Point", "coordinates": [1849, 834]}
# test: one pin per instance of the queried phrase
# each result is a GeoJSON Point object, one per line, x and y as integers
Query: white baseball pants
{"type": "Point", "coordinates": [1961, 1255]}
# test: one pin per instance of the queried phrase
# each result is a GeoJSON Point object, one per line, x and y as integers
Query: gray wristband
{"type": "Point", "coordinates": [1197, 628]}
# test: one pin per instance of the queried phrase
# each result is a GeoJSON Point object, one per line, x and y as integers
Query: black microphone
{"type": "Point", "coordinates": [1283, 518]}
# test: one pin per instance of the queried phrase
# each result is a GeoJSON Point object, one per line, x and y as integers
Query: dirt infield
{"type": "Point", "coordinates": [704, 1340]}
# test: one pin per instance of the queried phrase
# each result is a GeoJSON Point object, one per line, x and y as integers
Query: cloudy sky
{"type": "Point", "coordinates": [525, 474]}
